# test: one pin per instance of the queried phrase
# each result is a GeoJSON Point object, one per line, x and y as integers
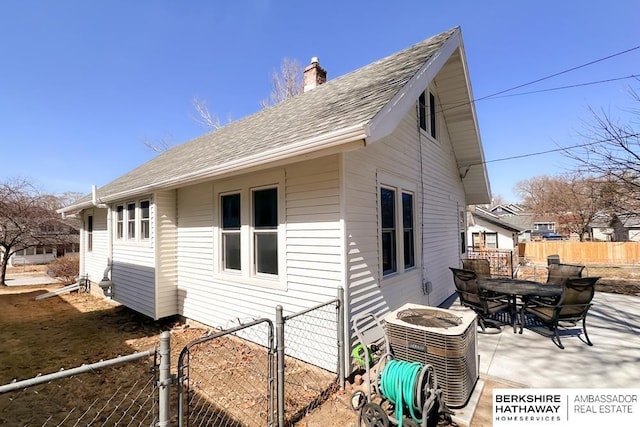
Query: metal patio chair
{"type": "Point", "coordinates": [484, 303]}
{"type": "Point", "coordinates": [571, 306]}
{"type": "Point", "coordinates": [480, 266]}
{"type": "Point", "coordinates": [559, 273]}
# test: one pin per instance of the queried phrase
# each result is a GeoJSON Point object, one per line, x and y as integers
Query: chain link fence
{"type": "Point", "coordinates": [121, 391]}
{"type": "Point", "coordinates": [227, 378]}
{"type": "Point", "coordinates": [254, 374]}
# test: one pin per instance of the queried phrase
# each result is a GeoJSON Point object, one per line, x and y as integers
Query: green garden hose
{"type": "Point", "coordinates": [359, 356]}
{"type": "Point", "coordinates": [398, 383]}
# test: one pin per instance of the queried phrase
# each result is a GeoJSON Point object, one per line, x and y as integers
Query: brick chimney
{"type": "Point", "coordinates": [314, 75]}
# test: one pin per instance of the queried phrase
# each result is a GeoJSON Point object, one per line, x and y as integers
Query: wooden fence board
{"type": "Point", "coordinates": [588, 253]}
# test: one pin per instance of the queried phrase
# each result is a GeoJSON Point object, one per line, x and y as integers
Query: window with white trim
{"type": "Point", "coordinates": [485, 240]}
{"type": "Point", "coordinates": [397, 228]}
{"type": "Point", "coordinates": [89, 233]}
{"type": "Point", "coordinates": [145, 220]}
{"type": "Point", "coordinates": [427, 116]}
{"type": "Point", "coordinates": [120, 222]}
{"type": "Point", "coordinates": [132, 221]}
{"type": "Point", "coordinates": [250, 229]}
{"type": "Point", "coordinates": [265, 230]}
{"type": "Point", "coordinates": [230, 231]}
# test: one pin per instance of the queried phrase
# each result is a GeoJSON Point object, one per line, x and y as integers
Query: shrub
{"type": "Point", "coordinates": [65, 269]}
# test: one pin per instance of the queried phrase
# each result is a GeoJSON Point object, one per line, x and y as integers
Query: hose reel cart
{"type": "Point", "coordinates": [396, 392]}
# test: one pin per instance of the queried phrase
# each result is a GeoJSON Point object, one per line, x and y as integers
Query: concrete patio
{"type": "Point", "coordinates": [532, 360]}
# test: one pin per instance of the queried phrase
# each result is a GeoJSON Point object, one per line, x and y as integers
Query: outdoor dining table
{"type": "Point", "coordinates": [518, 288]}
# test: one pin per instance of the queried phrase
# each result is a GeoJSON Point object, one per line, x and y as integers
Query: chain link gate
{"type": "Point", "coordinates": [228, 378]}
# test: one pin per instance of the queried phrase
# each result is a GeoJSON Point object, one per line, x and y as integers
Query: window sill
{"type": "Point", "coordinates": [132, 243]}
{"type": "Point", "coordinates": [397, 278]}
{"type": "Point", "coordinates": [240, 279]}
{"type": "Point", "coordinates": [427, 134]}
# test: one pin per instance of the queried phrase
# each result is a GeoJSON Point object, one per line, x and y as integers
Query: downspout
{"type": "Point", "coordinates": [346, 298]}
{"type": "Point", "coordinates": [105, 284]}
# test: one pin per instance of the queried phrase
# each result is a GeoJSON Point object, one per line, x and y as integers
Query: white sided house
{"type": "Point", "coordinates": [486, 230]}
{"type": "Point", "coordinates": [361, 182]}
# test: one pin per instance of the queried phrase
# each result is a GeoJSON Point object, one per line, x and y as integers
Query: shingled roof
{"type": "Point", "coordinates": [343, 110]}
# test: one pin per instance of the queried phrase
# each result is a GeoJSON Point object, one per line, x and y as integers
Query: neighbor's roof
{"type": "Point", "coordinates": [497, 220]}
{"type": "Point", "coordinates": [364, 105]}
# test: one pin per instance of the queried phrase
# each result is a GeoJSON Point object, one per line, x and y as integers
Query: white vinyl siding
{"type": "Point", "coordinates": [133, 273]}
{"type": "Point", "coordinates": [165, 220]}
{"type": "Point", "coordinates": [312, 267]}
{"type": "Point", "coordinates": [95, 262]}
{"type": "Point", "coordinates": [505, 237]}
{"type": "Point", "coordinates": [398, 155]}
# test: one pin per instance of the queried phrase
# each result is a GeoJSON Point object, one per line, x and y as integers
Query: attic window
{"type": "Point", "coordinates": [427, 113]}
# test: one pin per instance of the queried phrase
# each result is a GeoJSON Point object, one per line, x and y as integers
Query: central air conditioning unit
{"type": "Point", "coordinates": [444, 339]}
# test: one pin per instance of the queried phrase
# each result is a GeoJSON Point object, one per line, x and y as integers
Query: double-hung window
{"type": "Point", "coordinates": [230, 231]}
{"type": "Point", "coordinates": [144, 220]}
{"type": "Point", "coordinates": [250, 239]}
{"type": "Point", "coordinates": [131, 221]}
{"type": "Point", "coordinates": [265, 230]}
{"type": "Point", "coordinates": [397, 227]}
{"type": "Point", "coordinates": [119, 222]}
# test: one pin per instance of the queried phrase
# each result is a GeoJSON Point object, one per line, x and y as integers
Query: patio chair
{"type": "Point", "coordinates": [559, 273]}
{"type": "Point", "coordinates": [571, 306]}
{"type": "Point", "coordinates": [482, 302]}
{"type": "Point", "coordinates": [480, 266]}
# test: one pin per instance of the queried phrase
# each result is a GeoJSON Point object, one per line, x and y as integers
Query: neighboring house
{"type": "Point", "coordinates": [522, 221]}
{"type": "Point", "coordinates": [65, 233]}
{"type": "Point", "coordinates": [544, 228]}
{"type": "Point", "coordinates": [600, 229]}
{"type": "Point", "coordinates": [486, 230]}
{"type": "Point", "coordinates": [361, 183]}
{"type": "Point", "coordinates": [507, 209]}
{"type": "Point", "coordinates": [626, 227]}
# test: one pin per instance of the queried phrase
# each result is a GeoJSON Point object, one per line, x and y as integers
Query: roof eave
{"type": "Point", "coordinates": [337, 139]}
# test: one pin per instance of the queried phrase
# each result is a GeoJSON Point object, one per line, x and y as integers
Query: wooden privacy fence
{"type": "Point", "coordinates": [589, 253]}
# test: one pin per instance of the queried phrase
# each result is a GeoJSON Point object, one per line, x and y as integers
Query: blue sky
{"type": "Point", "coordinates": [84, 83]}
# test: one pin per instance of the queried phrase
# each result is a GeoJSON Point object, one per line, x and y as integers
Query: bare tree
{"type": "Point", "coordinates": [612, 153]}
{"type": "Point", "coordinates": [574, 200]}
{"type": "Point", "coordinates": [285, 84]}
{"type": "Point", "coordinates": [68, 197]}
{"type": "Point", "coordinates": [204, 117]}
{"type": "Point", "coordinates": [159, 146]}
{"type": "Point", "coordinates": [27, 219]}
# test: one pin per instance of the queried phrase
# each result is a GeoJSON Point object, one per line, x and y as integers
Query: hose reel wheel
{"type": "Point", "coordinates": [373, 415]}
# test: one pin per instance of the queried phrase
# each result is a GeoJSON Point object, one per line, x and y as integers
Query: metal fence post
{"type": "Point", "coordinates": [280, 365]}
{"type": "Point", "coordinates": [340, 325]}
{"type": "Point", "coordinates": [164, 379]}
